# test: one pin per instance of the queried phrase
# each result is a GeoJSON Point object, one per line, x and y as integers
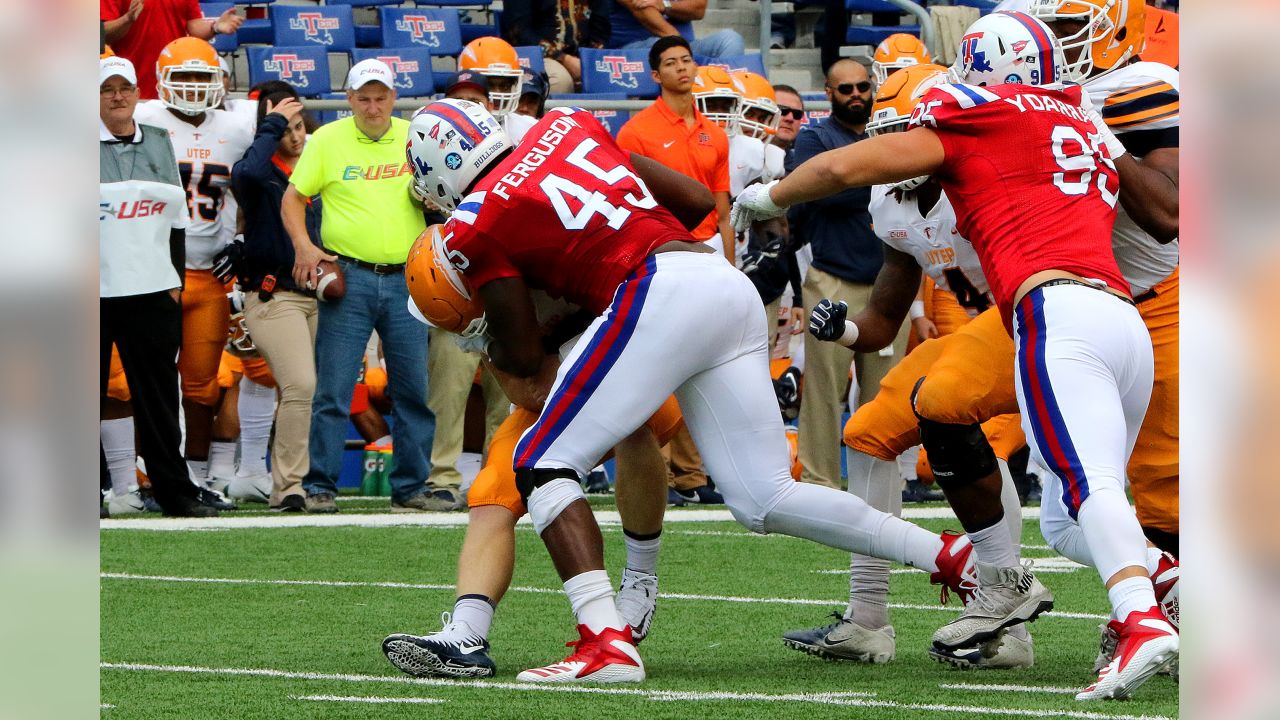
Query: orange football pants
{"type": "Point", "coordinates": [205, 318]}
{"type": "Point", "coordinates": [255, 368]}
{"type": "Point", "coordinates": [968, 378]}
{"type": "Point", "coordinates": [117, 385]}
{"type": "Point", "coordinates": [1153, 466]}
{"type": "Point", "coordinates": [496, 483]}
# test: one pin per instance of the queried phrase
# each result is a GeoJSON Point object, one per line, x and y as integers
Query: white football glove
{"type": "Point", "coordinates": [1105, 136]}
{"type": "Point", "coordinates": [753, 205]}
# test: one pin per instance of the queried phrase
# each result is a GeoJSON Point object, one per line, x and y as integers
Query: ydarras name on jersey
{"type": "Point", "coordinates": [542, 148]}
{"type": "Point", "coordinates": [1044, 103]}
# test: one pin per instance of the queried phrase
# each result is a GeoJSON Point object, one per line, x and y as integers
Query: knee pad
{"type": "Point", "coordinates": [553, 492]}
{"type": "Point", "coordinates": [958, 454]}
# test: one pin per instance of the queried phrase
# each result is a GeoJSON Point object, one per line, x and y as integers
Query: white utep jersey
{"type": "Point", "coordinates": [1137, 98]}
{"type": "Point", "coordinates": [934, 241]}
{"type": "Point", "coordinates": [774, 158]}
{"type": "Point", "coordinates": [205, 156]}
{"type": "Point", "coordinates": [746, 162]}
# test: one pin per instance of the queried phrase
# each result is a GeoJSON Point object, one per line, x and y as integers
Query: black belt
{"type": "Point", "coordinates": [1143, 297]}
{"type": "Point", "coordinates": [377, 268]}
{"type": "Point", "coordinates": [1069, 281]}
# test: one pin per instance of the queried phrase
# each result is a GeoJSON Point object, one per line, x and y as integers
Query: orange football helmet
{"type": "Point", "coordinates": [106, 52]}
{"type": "Point", "coordinates": [439, 292]}
{"type": "Point", "coordinates": [1113, 32]}
{"type": "Point", "coordinates": [757, 99]}
{"type": "Point", "coordinates": [718, 96]}
{"type": "Point", "coordinates": [895, 52]}
{"type": "Point", "coordinates": [495, 59]}
{"type": "Point", "coordinates": [195, 57]}
{"type": "Point", "coordinates": [897, 97]}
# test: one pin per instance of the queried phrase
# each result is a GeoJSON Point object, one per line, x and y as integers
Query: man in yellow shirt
{"type": "Point", "coordinates": [357, 167]}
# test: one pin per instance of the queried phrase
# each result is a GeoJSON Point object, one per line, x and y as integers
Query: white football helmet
{"type": "Point", "coordinates": [1008, 47]}
{"type": "Point", "coordinates": [451, 143]}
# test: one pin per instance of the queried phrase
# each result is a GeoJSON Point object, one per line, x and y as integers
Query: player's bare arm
{"type": "Point", "coordinates": [879, 160]}
{"type": "Point", "coordinates": [530, 392]}
{"type": "Point", "coordinates": [1149, 191]}
{"type": "Point", "coordinates": [517, 340]}
{"type": "Point", "coordinates": [875, 327]}
{"type": "Point", "coordinates": [306, 256]}
{"type": "Point", "coordinates": [689, 200]}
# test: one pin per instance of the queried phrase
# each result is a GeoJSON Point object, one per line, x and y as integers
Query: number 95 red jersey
{"type": "Point", "coordinates": [565, 211]}
{"type": "Point", "coordinates": [1032, 187]}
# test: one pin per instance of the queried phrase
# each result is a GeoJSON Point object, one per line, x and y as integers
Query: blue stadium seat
{"type": "Point", "coordinates": [734, 63]}
{"type": "Point", "coordinates": [612, 71]}
{"type": "Point", "coordinates": [572, 97]}
{"type": "Point", "coordinates": [875, 34]}
{"type": "Point", "coordinates": [306, 68]}
{"type": "Point", "coordinates": [531, 58]}
{"type": "Point", "coordinates": [328, 116]}
{"type": "Point", "coordinates": [436, 30]}
{"type": "Point", "coordinates": [330, 27]}
{"type": "Point", "coordinates": [362, 3]}
{"type": "Point", "coordinates": [470, 31]}
{"type": "Point", "coordinates": [454, 3]}
{"type": "Point", "coordinates": [412, 67]}
{"type": "Point", "coordinates": [868, 6]}
{"type": "Point", "coordinates": [613, 120]}
{"type": "Point", "coordinates": [221, 43]}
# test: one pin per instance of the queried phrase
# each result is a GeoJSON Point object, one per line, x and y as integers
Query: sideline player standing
{"type": "Point", "coordinates": [207, 143]}
{"type": "Point", "coordinates": [1084, 359]}
{"type": "Point", "coordinates": [566, 213]}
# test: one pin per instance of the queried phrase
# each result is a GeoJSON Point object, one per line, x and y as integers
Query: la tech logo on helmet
{"type": "Point", "coordinates": [973, 57]}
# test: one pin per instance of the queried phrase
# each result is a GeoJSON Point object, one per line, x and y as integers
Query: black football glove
{"type": "Point", "coordinates": [226, 262]}
{"type": "Point", "coordinates": [826, 322]}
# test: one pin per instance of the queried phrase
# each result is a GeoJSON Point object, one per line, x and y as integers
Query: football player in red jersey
{"type": "Point", "coordinates": [1033, 178]}
{"type": "Point", "coordinates": [567, 213]}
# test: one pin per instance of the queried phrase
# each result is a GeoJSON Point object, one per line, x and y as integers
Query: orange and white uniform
{"type": "Point", "coordinates": [968, 374]}
{"type": "Point", "coordinates": [1140, 103]}
{"type": "Point", "coordinates": [205, 153]}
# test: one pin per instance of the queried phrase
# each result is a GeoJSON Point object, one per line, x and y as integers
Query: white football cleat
{"type": "Point", "coordinates": [609, 657]}
{"type": "Point", "coordinates": [1006, 596]}
{"type": "Point", "coordinates": [1146, 643]}
{"type": "Point", "coordinates": [1006, 652]}
{"type": "Point", "coordinates": [250, 488]}
{"type": "Point", "coordinates": [126, 504]}
{"type": "Point", "coordinates": [637, 601]}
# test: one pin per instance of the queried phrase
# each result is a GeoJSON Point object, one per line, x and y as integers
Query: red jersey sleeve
{"type": "Point", "coordinates": [192, 11]}
{"type": "Point", "coordinates": [475, 255]}
{"type": "Point", "coordinates": [950, 111]}
{"type": "Point", "coordinates": [111, 9]}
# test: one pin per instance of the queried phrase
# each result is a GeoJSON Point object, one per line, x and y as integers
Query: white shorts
{"type": "Point", "coordinates": [1084, 373]}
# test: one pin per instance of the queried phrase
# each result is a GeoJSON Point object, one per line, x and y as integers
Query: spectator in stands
{"type": "Point", "coordinates": [139, 31]}
{"type": "Point", "coordinates": [143, 211]}
{"type": "Point", "coordinates": [846, 258]}
{"type": "Point", "coordinates": [356, 165]}
{"type": "Point", "coordinates": [452, 370]}
{"type": "Point", "coordinates": [673, 132]}
{"type": "Point", "coordinates": [534, 88]}
{"type": "Point", "coordinates": [640, 23]}
{"type": "Point", "coordinates": [560, 28]}
{"type": "Point", "coordinates": [280, 315]}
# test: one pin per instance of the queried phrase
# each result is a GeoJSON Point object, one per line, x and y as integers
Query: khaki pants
{"type": "Point", "coordinates": [284, 329]}
{"type": "Point", "coordinates": [684, 464]}
{"type": "Point", "coordinates": [771, 318]}
{"type": "Point", "coordinates": [826, 375]}
{"type": "Point", "coordinates": [561, 80]}
{"type": "Point", "coordinates": [452, 372]}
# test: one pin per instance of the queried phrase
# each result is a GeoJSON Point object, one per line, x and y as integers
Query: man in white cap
{"type": "Point", "coordinates": [357, 167]}
{"type": "Point", "coordinates": [141, 221]}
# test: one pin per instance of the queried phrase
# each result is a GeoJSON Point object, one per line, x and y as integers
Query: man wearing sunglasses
{"type": "Point", "coordinates": [790, 117]}
{"type": "Point", "coordinates": [846, 256]}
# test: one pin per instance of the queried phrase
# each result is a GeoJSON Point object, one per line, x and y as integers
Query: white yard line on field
{"type": "Point", "coordinates": [841, 699]}
{"type": "Point", "coordinates": [438, 586]}
{"type": "Point", "coordinates": [609, 517]}
{"type": "Point", "coordinates": [368, 700]}
{"type": "Point", "coordinates": [1051, 565]}
{"type": "Point", "coordinates": [1036, 689]}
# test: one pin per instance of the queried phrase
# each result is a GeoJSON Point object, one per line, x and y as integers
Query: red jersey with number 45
{"type": "Point", "coordinates": [1032, 186]}
{"type": "Point", "coordinates": [565, 212]}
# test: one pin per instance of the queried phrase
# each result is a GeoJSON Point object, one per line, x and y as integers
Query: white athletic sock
{"type": "Point", "coordinates": [1154, 554]}
{"type": "Point", "coordinates": [1131, 595]}
{"type": "Point", "coordinates": [122, 458]}
{"type": "Point", "coordinates": [257, 407]}
{"type": "Point", "coordinates": [199, 471]}
{"type": "Point", "coordinates": [642, 555]}
{"type": "Point", "coordinates": [880, 484]}
{"type": "Point", "coordinates": [993, 546]}
{"type": "Point", "coordinates": [907, 463]}
{"type": "Point", "coordinates": [475, 612]}
{"type": "Point", "coordinates": [591, 595]}
{"type": "Point", "coordinates": [1012, 505]}
{"type": "Point", "coordinates": [222, 459]}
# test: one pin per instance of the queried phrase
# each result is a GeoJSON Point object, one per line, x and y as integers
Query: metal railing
{"type": "Point", "coordinates": [411, 104]}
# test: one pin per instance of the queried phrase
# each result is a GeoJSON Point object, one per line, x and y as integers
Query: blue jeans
{"type": "Point", "coordinates": [722, 43]}
{"type": "Point", "coordinates": [372, 302]}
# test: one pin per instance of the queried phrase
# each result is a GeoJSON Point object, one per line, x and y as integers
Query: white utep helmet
{"type": "Point", "coordinates": [1008, 47]}
{"type": "Point", "coordinates": [450, 143]}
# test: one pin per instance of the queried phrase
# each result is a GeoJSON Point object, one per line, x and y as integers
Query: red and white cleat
{"type": "Point", "coordinates": [1147, 643]}
{"type": "Point", "coordinates": [956, 572]}
{"type": "Point", "coordinates": [609, 657]}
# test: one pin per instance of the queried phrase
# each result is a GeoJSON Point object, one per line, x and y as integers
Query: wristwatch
{"type": "Point", "coordinates": [666, 6]}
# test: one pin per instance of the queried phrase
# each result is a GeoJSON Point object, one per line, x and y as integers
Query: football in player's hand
{"type": "Point", "coordinates": [330, 284]}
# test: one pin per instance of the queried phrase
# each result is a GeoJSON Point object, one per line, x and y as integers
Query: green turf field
{"type": "Point", "coordinates": [287, 623]}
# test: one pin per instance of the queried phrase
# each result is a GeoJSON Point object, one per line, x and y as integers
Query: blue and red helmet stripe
{"type": "Point", "coordinates": [1044, 45]}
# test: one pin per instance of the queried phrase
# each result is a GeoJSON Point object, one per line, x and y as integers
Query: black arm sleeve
{"type": "Point", "coordinates": [178, 253]}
